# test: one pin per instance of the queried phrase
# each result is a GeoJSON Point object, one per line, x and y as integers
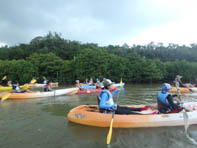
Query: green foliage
{"type": "Point", "coordinates": [65, 61]}
{"type": "Point", "coordinates": [17, 70]}
{"type": "Point", "coordinates": [48, 65]}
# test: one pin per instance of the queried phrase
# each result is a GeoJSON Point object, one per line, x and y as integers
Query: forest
{"type": "Point", "coordinates": [64, 61]}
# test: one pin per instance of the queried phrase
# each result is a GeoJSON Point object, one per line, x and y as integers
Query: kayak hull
{"type": "Point", "coordinates": [118, 84]}
{"type": "Point", "coordinates": [182, 89]}
{"type": "Point", "coordinates": [59, 92]}
{"type": "Point", "coordinates": [89, 91]}
{"type": "Point", "coordinates": [87, 115]}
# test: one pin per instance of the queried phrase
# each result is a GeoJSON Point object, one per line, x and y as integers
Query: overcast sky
{"type": "Point", "coordinates": [100, 21]}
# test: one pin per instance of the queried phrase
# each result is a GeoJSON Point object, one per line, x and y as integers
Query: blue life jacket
{"type": "Point", "coordinates": [106, 103]}
{"type": "Point", "coordinates": [162, 97]}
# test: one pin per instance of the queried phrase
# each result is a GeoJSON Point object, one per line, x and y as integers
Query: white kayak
{"type": "Point", "coordinates": [118, 84]}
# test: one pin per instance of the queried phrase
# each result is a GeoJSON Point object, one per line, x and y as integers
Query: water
{"type": "Point", "coordinates": [42, 123]}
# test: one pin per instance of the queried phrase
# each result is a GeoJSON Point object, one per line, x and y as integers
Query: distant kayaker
{"type": "Point", "coordinates": [78, 85]}
{"type": "Point", "coordinates": [165, 101]}
{"type": "Point", "coordinates": [86, 81]}
{"type": "Point", "coordinates": [9, 83]}
{"type": "Point", "coordinates": [98, 83]}
{"type": "Point", "coordinates": [91, 82]}
{"type": "Point", "coordinates": [106, 102]}
{"type": "Point", "coordinates": [178, 81]}
{"type": "Point", "coordinates": [47, 87]}
{"type": "Point", "coordinates": [16, 88]}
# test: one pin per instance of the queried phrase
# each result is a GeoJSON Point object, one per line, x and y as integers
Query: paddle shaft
{"type": "Point", "coordinates": [111, 124]}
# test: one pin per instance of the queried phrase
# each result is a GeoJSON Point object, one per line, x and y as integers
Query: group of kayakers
{"type": "Point", "coordinates": [165, 101]}
{"type": "Point", "coordinates": [17, 89]}
{"type": "Point", "coordinates": [98, 84]}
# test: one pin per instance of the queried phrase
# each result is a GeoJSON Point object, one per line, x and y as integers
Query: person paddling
{"type": "Point", "coordinates": [165, 101]}
{"type": "Point", "coordinates": [98, 83]}
{"type": "Point", "coordinates": [16, 88]}
{"type": "Point", "coordinates": [106, 102]}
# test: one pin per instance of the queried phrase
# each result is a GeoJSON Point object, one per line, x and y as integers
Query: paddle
{"type": "Point", "coordinates": [27, 86]}
{"type": "Point", "coordinates": [5, 77]}
{"type": "Point", "coordinates": [185, 115]}
{"type": "Point", "coordinates": [112, 120]}
{"type": "Point", "coordinates": [5, 97]}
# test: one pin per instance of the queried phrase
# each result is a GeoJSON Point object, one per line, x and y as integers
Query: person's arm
{"type": "Point", "coordinates": [103, 104]}
{"type": "Point", "coordinates": [171, 102]}
{"type": "Point", "coordinates": [115, 92]}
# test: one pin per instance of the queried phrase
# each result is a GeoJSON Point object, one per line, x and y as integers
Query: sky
{"type": "Point", "coordinates": [104, 22]}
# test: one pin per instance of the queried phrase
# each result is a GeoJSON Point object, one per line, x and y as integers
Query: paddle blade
{"type": "Point", "coordinates": [25, 87]}
{"type": "Point", "coordinates": [110, 132]}
{"type": "Point", "coordinates": [33, 81]}
{"type": "Point", "coordinates": [5, 77]}
{"type": "Point", "coordinates": [121, 82]}
{"type": "Point", "coordinates": [5, 96]}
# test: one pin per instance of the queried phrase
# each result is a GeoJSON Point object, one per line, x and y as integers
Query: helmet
{"type": "Point", "coordinates": [107, 82]}
{"type": "Point", "coordinates": [166, 87]}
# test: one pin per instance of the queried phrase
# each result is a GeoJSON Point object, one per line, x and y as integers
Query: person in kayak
{"type": "Point", "coordinates": [91, 82]}
{"type": "Point", "coordinates": [165, 101]}
{"type": "Point", "coordinates": [86, 81]}
{"type": "Point", "coordinates": [47, 87]}
{"type": "Point", "coordinates": [78, 85]}
{"type": "Point", "coordinates": [178, 82]}
{"type": "Point", "coordinates": [107, 105]}
{"type": "Point", "coordinates": [98, 83]}
{"type": "Point", "coordinates": [16, 88]}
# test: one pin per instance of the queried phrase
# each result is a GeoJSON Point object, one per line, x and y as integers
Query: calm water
{"type": "Point", "coordinates": [42, 123]}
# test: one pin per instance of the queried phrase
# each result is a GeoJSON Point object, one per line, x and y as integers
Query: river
{"type": "Point", "coordinates": [42, 123]}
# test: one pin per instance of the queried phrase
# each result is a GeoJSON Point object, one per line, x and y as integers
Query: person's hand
{"type": "Point", "coordinates": [115, 107]}
{"type": "Point", "coordinates": [175, 95]}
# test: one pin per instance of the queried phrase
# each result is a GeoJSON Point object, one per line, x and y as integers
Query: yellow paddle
{"type": "Point", "coordinates": [5, 77]}
{"type": "Point", "coordinates": [33, 81]}
{"type": "Point", "coordinates": [5, 97]}
{"type": "Point", "coordinates": [112, 120]}
{"type": "Point", "coordinates": [27, 86]}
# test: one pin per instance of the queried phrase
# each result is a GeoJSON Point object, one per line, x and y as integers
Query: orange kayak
{"type": "Point", "coordinates": [90, 115]}
{"type": "Point", "coordinates": [182, 89]}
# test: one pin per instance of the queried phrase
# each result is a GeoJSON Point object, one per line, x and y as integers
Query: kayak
{"type": "Point", "coordinates": [26, 95]}
{"type": "Point", "coordinates": [182, 89]}
{"type": "Point", "coordinates": [89, 91]}
{"type": "Point", "coordinates": [7, 88]}
{"type": "Point", "coordinates": [118, 84]}
{"type": "Point", "coordinates": [2, 88]}
{"type": "Point", "coordinates": [90, 115]}
{"type": "Point", "coordinates": [88, 86]}
{"type": "Point", "coordinates": [193, 89]}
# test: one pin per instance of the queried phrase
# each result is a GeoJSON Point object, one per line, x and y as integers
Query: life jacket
{"type": "Point", "coordinates": [162, 97]}
{"type": "Point", "coordinates": [14, 86]}
{"type": "Point", "coordinates": [98, 84]}
{"type": "Point", "coordinates": [49, 86]}
{"type": "Point", "coordinates": [18, 90]}
{"type": "Point", "coordinates": [110, 100]}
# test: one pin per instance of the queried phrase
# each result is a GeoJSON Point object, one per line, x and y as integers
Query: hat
{"type": "Point", "coordinates": [107, 82]}
{"type": "Point", "coordinates": [178, 76]}
{"type": "Point", "coordinates": [77, 81]}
